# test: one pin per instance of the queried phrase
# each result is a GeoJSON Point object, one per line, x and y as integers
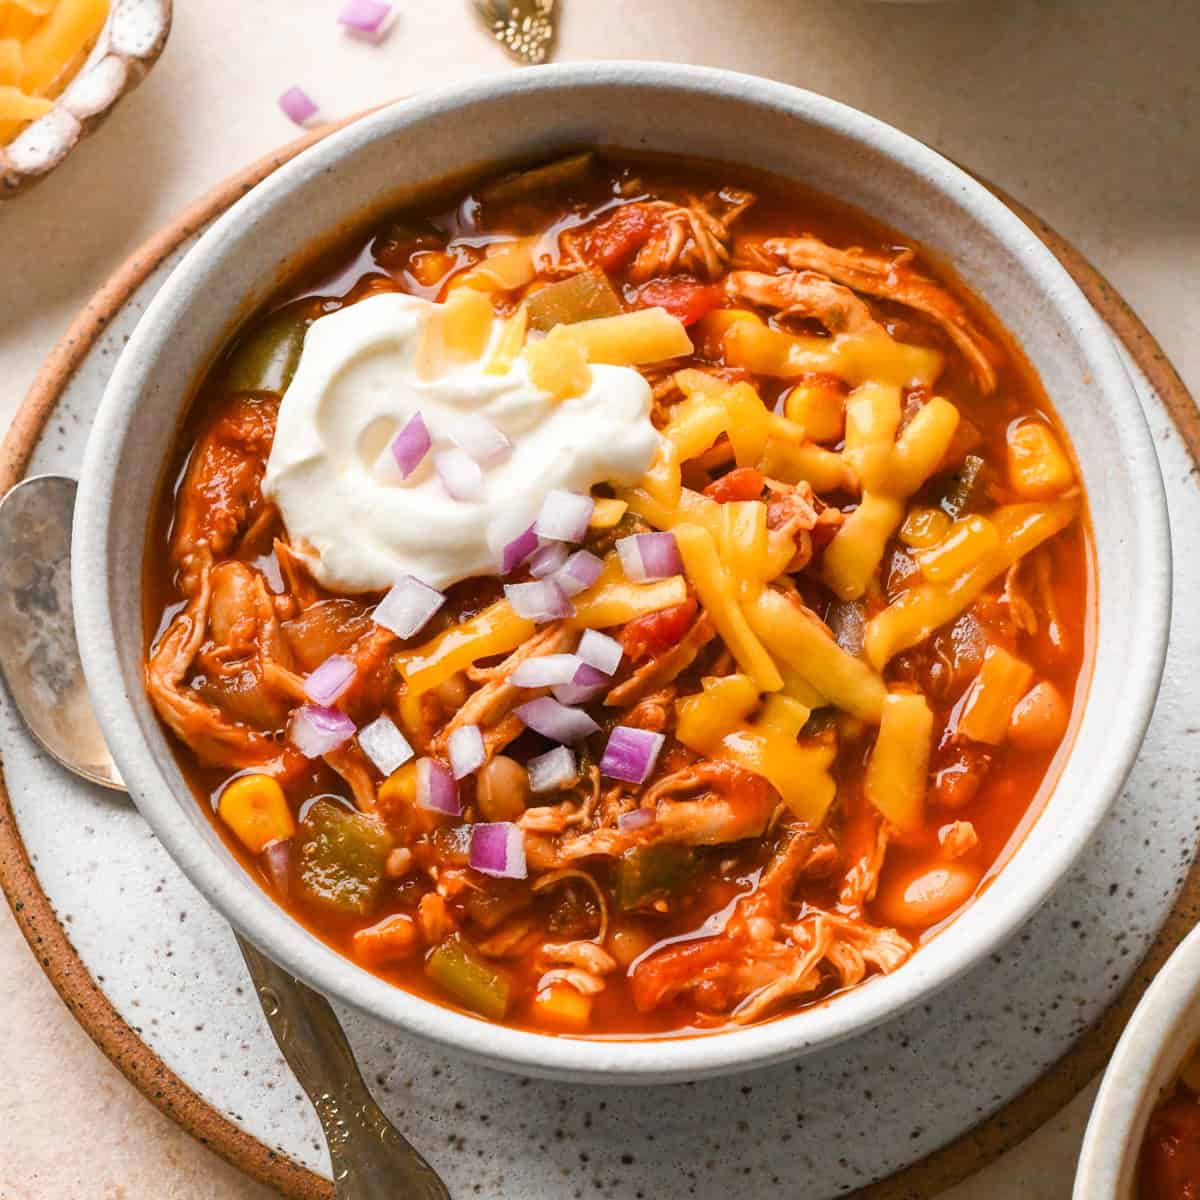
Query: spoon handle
{"type": "Point", "coordinates": [371, 1159]}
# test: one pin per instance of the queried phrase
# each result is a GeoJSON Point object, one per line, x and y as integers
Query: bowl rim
{"type": "Point", "coordinates": [1143, 1063]}
{"type": "Point", "coordinates": [659, 1060]}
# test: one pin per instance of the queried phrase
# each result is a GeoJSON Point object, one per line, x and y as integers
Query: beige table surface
{"type": "Point", "coordinates": [1088, 110]}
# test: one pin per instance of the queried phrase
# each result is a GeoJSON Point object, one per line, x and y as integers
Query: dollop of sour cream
{"type": "Point", "coordinates": [360, 379]}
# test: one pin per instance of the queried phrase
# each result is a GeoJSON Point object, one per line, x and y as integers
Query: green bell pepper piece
{"type": "Point", "coordinates": [649, 873]}
{"type": "Point", "coordinates": [265, 359]}
{"type": "Point", "coordinates": [460, 970]}
{"type": "Point", "coordinates": [340, 858]}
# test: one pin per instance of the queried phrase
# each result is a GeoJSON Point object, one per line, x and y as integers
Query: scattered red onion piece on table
{"type": "Point", "coordinates": [324, 685]}
{"type": "Point", "coordinates": [649, 556]}
{"type": "Point", "coordinates": [298, 105]}
{"type": "Point", "coordinates": [553, 770]}
{"type": "Point", "coordinates": [498, 849]}
{"type": "Point", "coordinates": [564, 516]}
{"type": "Point", "coordinates": [467, 752]}
{"type": "Point", "coordinates": [459, 473]}
{"type": "Point", "coordinates": [315, 730]}
{"type": "Point", "coordinates": [436, 789]}
{"type": "Point", "coordinates": [406, 609]}
{"type": "Point", "coordinates": [630, 754]}
{"type": "Point", "coordinates": [383, 743]}
{"type": "Point", "coordinates": [600, 651]}
{"type": "Point", "coordinates": [556, 721]}
{"type": "Point", "coordinates": [538, 602]}
{"type": "Point", "coordinates": [366, 18]}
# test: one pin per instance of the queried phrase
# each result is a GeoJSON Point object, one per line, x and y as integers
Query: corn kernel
{"type": "Point", "coordinates": [430, 267]}
{"type": "Point", "coordinates": [562, 1007]}
{"type": "Point", "coordinates": [400, 787]}
{"type": "Point", "coordinates": [257, 811]}
{"type": "Point", "coordinates": [819, 408]}
{"type": "Point", "coordinates": [1038, 467]}
{"type": "Point", "coordinates": [607, 513]}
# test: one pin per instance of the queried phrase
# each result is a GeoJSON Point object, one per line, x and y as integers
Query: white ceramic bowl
{"type": "Point", "coordinates": [1164, 1028]}
{"type": "Point", "coordinates": [392, 154]}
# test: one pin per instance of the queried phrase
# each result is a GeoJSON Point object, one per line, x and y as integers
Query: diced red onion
{"type": "Point", "coordinates": [384, 744]}
{"type": "Point", "coordinates": [780, 409]}
{"type": "Point", "coordinates": [556, 721]}
{"type": "Point", "coordinates": [545, 670]}
{"type": "Point", "coordinates": [580, 571]}
{"type": "Point", "coordinates": [459, 473]}
{"type": "Point", "coordinates": [638, 818]}
{"type": "Point", "coordinates": [466, 749]}
{"type": "Point", "coordinates": [406, 451]}
{"type": "Point", "coordinates": [406, 609]}
{"type": "Point", "coordinates": [330, 680]}
{"type": "Point", "coordinates": [553, 770]}
{"type": "Point", "coordinates": [478, 437]}
{"type": "Point", "coordinates": [538, 602]}
{"type": "Point", "coordinates": [548, 559]}
{"type": "Point", "coordinates": [586, 684]}
{"type": "Point", "coordinates": [277, 862]}
{"type": "Point", "coordinates": [498, 849]}
{"type": "Point", "coordinates": [436, 789]}
{"type": "Point", "coordinates": [365, 18]}
{"type": "Point", "coordinates": [316, 730]}
{"type": "Point", "coordinates": [298, 105]}
{"type": "Point", "coordinates": [630, 754]}
{"type": "Point", "coordinates": [517, 551]}
{"type": "Point", "coordinates": [600, 651]}
{"type": "Point", "coordinates": [647, 556]}
{"type": "Point", "coordinates": [564, 516]}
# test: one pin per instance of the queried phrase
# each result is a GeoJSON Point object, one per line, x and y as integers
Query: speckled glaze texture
{"type": "Point", "coordinates": [128, 46]}
{"type": "Point", "coordinates": [1164, 1028]}
{"type": "Point", "coordinates": [683, 109]}
{"type": "Point", "coordinates": [153, 975]}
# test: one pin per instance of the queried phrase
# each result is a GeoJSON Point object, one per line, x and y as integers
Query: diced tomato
{"type": "Point", "coordinates": [742, 483]}
{"type": "Point", "coordinates": [644, 637]}
{"type": "Point", "coordinates": [1170, 1165]}
{"type": "Point", "coordinates": [665, 974]}
{"type": "Point", "coordinates": [682, 296]}
{"type": "Point", "coordinates": [617, 238]}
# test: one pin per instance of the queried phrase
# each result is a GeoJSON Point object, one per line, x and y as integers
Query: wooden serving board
{"type": "Point", "coordinates": [153, 975]}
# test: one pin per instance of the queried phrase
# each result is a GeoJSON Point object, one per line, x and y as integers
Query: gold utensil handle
{"type": "Point", "coordinates": [371, 1159]}
{"type": "Point", "coordinates": [525, 28]}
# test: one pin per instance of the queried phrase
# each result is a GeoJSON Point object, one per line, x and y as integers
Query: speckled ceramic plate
{"type": "Point", "coordinates": [154, 975]}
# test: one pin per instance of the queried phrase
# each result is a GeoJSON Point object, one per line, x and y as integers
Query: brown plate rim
{"type": "Point", "coordinates": [47, 938]}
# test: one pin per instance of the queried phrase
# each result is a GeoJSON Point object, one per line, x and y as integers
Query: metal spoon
{"type": "Point", "coordinates": [39, 658]}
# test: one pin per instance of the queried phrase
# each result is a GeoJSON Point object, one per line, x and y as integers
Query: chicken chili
{"type": "Point", "coordinates": [630, 597]}
{"type": "Point", "coordinates": [1169, 1166]}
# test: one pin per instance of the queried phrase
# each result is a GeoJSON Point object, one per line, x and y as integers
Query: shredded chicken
{"type": "Point", "coordinates": [665, 667]}
{"type": "Point", "coordinates": [693, 237]}
{"type": "Point", "coordinates": [804, 294]}
{"type": "Point", "coordinates": [958, 839]}
{"type": "Point", "coordinates": [894, 279]}
{"type": "Point", "coordinates": [491, 707]}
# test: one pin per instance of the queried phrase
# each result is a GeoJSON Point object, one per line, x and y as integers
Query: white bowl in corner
{"type": "Point", "coordinates": [133, 36]}
{"type": "Point", "coordinates": [1164, 1029]}
{"type": "Point", "coordinates": [391, 155]}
